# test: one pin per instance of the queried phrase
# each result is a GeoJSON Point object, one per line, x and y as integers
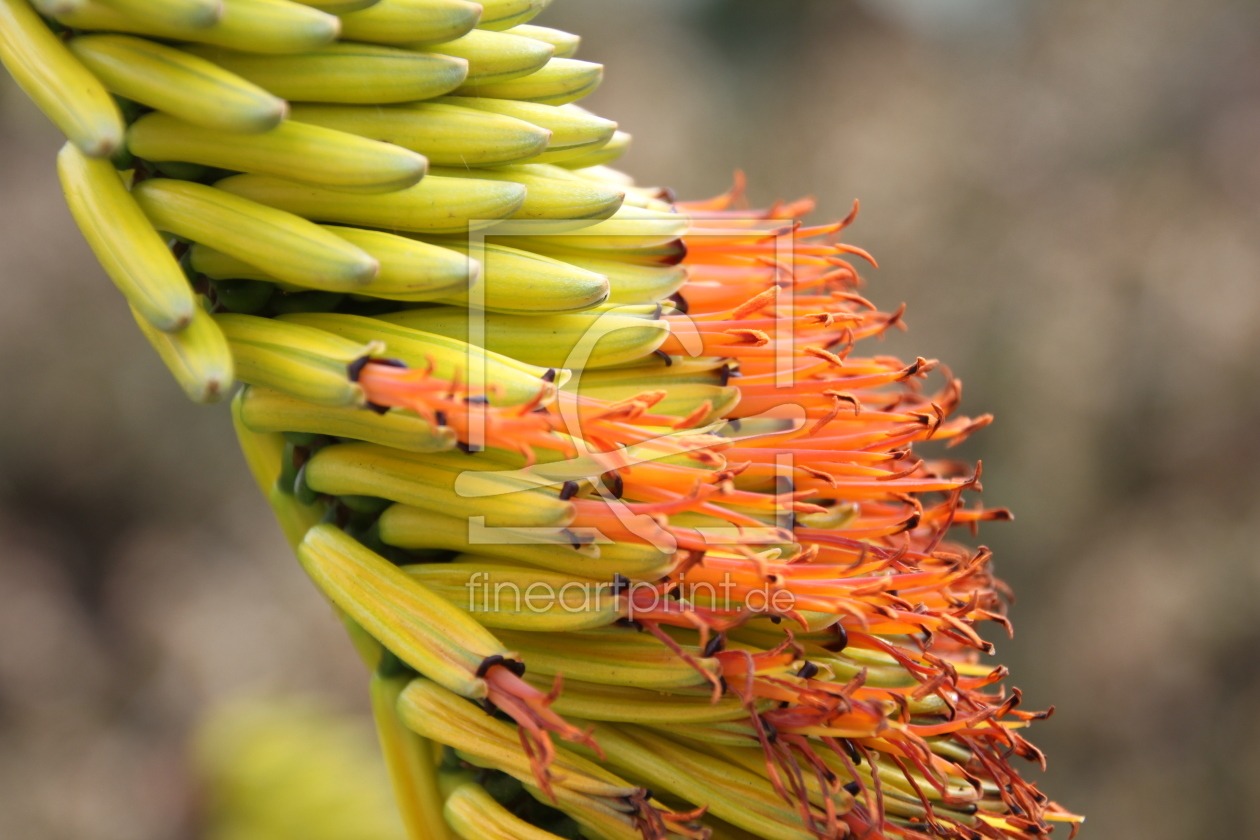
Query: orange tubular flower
{"type": "Point", "coordinates": [807, 508]}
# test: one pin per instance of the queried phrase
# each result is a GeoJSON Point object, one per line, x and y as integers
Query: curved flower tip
{"type": "Point", "coordinates": [531, 709]}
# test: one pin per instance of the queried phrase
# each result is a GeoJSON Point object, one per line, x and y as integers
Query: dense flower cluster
{"type": "Point", "coordinates": [636, 535]}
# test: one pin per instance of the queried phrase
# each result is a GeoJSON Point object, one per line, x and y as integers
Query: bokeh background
{"type": "Point", "coordinates": [1065, 192]}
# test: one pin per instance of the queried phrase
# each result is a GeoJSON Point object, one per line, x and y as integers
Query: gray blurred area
{"type": "Point", "coordinates": [1067, 195]}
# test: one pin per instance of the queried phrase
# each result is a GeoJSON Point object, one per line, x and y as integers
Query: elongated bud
{"type": "Point", "coordinates": [123, 239]}
{"type": "Point", "coordinates": [551, 198]}
{"type": "Point", "coordinates": [412, 23]}
{"type": "Point", "coordinates": [523, 598]}
{"type": "Point", "coordinates": [561, 81]}
{"type": "Point", "coordinates": [267, 410]}
{"type": "Point", "coordinates": [573, 132]}
{"type": "Point", "coordinates": [360, 74]}
{"type": "Point", "coordinates": [198, 356]}
{"type": "Point", "coordinates": [557, 286]}
{"type": "Point", "coordinates": [307, 153]}
{"type": "Point", "coordinates": [182, 14]}
{"type": "Point", "coordinates": [282, 244]}
{"type": "Point", "coordinates": [611, 656]}
{"type": "Point", "coordinates": [305, 363]}
{"type": "Point", "coordinates": [421, 628]}
{"type": "Point", "coordinates": [409, 270]}
{"type": "Point", "coordinates": [495, 57]}
{"type": "Point", "coordinates": [260, 26]}
{"type": "Point", "coordinates": [592, 339]}
{"type": "Point", "coordinates": [182, 85]}
{"type": "Point", "coordinates": [366, 469]}
{"type": "Point", "coordinates": [75, 101]}
{"type": "Point", "coordinates": [447, 135]}
{"type": "Point", "coordinates": [476, 815]}
{"type": "Point", "coordinates": [435, 205]}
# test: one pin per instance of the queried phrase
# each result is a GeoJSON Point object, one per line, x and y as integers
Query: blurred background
{"type": "Point", "coordinates": [1065, 192]}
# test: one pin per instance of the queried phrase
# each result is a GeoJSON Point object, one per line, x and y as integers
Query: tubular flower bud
{"type": "Point", "coordinates": [621, 470]}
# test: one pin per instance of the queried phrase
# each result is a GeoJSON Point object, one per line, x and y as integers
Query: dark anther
{"type": "Point", "coordinates": [660, 310]}
{"type": "Point", "coordinates": [616, 485]}
{"type": "Point", "coordinates": [356, 367]}
{"type": "Point", "coordinates": [515, 666]}
{"type": "Point", "coordinates": [647, 794]}
{"type": "Point", "coordinates": [439, 417]}
{"type": "Point", "coordinates": [621, 583]}
{"type": "Point", "coordinates": [488, 663]}
{"type": "Point", "coordinates": [854, 755]}
{"type": "Point", "coordinates": [808, 671]}
{"type": "Point", "coordinates": [478, 399]}
{"type": "Point", "coordinates": [490, 708]}
{"type": "Point", "coordinates": [568, 490]}
{"type": "Point", "coordinates": [892, 592]}
{"type": "Point", "coordinates": [723, 685]}
{"type": "Point", "coordinates": [725, 372]}
{"type": "Point", "coordinates": [774, 619]}
{"type": "Point", "coordinates": [680, 302]}
{"type": "Point", "coordinates": [664, 357]}
{"type": "Point", "coordinates": [574, 539]}
{"type": "Point", "coordinates": [673, 253]}
{"type": "Point", "coordinates": [772, 734]}
{"type": "Point", "coordinates": [734, 425]}
{"type": "Point", "coordinates": [716, 645]}
{"type": "Point", "coordinates": [853, 788]}
{"type": "Point", "coordinates": [629, 622]}
{"type": "Point", "coordinates": [378, 408]}
{"type": "Point", "coordinates": [463, 447]}
{"type": "Point", "coordinates": [842, 639]}
{"type": "Point", "coordinates": [549, 376]}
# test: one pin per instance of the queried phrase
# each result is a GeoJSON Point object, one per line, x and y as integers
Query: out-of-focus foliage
{"type": "Point", "coordinates": [284, 768]}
